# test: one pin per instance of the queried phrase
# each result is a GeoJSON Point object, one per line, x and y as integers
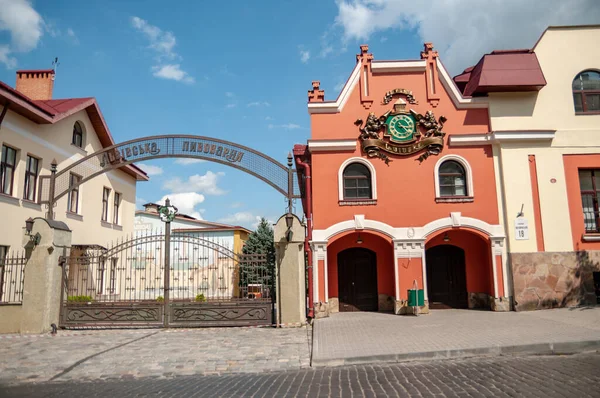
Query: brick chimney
{"type": "Point", "coordinates": [36, 84]}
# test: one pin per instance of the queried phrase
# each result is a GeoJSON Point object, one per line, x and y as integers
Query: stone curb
{"type": "Point", "coordinates": [560, 348]}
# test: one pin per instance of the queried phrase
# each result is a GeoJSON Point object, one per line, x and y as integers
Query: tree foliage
{"type": "Point", "coordinates": [260, 241]}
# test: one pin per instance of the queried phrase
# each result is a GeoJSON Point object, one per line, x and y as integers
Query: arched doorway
{"type": "Point", "coordinates": [446, 277]}
{"type": "Point", "coordinates": [357, 280]}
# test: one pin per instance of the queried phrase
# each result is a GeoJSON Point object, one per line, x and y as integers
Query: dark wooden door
{"type": "Point", "coordinates": [357, 280]}
{"type": "Point", "coordinates": [446, 277]}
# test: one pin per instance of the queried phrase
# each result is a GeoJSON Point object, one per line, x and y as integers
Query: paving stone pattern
{"type": "Point", "coordinates": [556, 376]}
{"type": "Point", "coordinates": [348, 336]}
{"type": "Point", "coordinates": [89, 355]}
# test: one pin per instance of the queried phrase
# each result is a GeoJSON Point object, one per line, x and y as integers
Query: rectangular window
{"type": "Point", "coordinates": [73, 204]}
{"type": "Point", "coordinates": [7, 169]}
{"type": "Point", "coordinates": [117, 203]}
{"type": "Point", "coordinates": [589, 184]}
{"type": "Point", "coordinates": [105, 196]}
{"type": "Point", "coordinates": [31, 175]}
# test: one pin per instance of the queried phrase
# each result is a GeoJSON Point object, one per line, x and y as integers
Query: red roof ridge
{"type": "Point", "coordinates": [512, 51]}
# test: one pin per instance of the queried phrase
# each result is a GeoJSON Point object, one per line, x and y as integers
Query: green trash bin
{"type": "Point", "coordinates": [420, 298]}
{"type": "Point", "coordinates": [416, 297]}
{"type": "Point", "coordinates": [412, 298]}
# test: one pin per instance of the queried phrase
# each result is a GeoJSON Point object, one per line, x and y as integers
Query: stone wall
{"type": "Point", "coordinates": [550, 280]}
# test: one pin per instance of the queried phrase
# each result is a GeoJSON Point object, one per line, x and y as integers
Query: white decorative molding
{"type": "Point", "coordinates": [319, 250]}
{"type": "Point", "coordinates": [401, 233]}
{"type": "Point", "coordinates": [499, 137]}
{"type": "Point", "coordinates": [455, 217]}
{"type": "Point", "coordinates": [398, 66]}
{"type": "Point", "coordinates": [359, 221]}
{"type": "Point", "coordinates": [468, 174]}
{"type": "Point", "coordinates": [331, 145]}
{"type": "Point", "coordinates": [363, 161]}
{"type": "Point", "coordinates": [407, 66]}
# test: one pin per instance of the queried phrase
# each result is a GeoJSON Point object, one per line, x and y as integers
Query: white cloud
{"type": "Point", "coordinates": [241, 218]}
{"type": "Point", "coordinates": [25, 26]}
{"type": "Point", "coordinates": [185, 202]}
{"type": "Point", "coordinates": [269, 118]}
{"type": "Point", "coordinates": [188, 161]}
{"type": "Point", "coordinates": [160, 41]}
{"type": "Point", "coordinates": [150, 170]}
{"type": "Point", "coordinates": [70, 32]}
{"type": "Point", "coordinates": [206, 184]}
{"type": "Point", "coordinates": [258, 103]}
{"type": "Point", "coordinates": [229, 106]}
{"type": "Point", "coordinates": [304, 56]}
{"type": "Point", "coordinates": [287, 126]}
{"type": "Point", "coordinates": [229, 94]}
{"type": "Point", "coordinates": [163, 43]}
{"type": "Point", "coordinates": [172, 72]}
{"type": "Point", "coordinates": [462, 31]}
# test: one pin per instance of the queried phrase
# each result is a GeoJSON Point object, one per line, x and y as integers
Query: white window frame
{"type": "Point", "coordinates": [469, 175]}
{"type": "Point", "coordinates": [371, 170]}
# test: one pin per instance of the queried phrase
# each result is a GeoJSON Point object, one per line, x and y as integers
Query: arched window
{"type": "Point", "coordinates": [357, 182]}
{"type": "Point", "coordinates": [453, 180]}
{"type": "Point", "coordinates": [77, 135]}
{"type": "Point", "coordinates": [586, 92]}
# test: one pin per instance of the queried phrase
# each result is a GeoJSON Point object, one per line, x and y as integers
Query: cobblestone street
{"type": "Point", "coordinates": [366, 337]}
{"type": "Point", "coordinates": [87, 355]}
{"type": "Point", "coordinates": [556, 376]}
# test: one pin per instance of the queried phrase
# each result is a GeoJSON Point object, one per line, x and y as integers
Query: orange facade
{"type": "Point", "coordinates": [379, 219]}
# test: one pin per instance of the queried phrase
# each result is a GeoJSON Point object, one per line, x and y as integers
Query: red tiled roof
{"type": "Point", "coordinates": [502, 71]}
{"type": "Point", "coordinates": [52, 111]}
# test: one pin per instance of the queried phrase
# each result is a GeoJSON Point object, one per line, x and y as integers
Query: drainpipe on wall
{"type": "Point", "coordinates": [308, 212]}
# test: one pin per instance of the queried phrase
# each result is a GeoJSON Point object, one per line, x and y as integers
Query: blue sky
{"type": "Point", "coordinates": [240, 70]}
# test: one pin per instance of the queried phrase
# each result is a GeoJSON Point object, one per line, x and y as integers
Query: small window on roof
{"type": "Point", "coordinates": [586, 92]}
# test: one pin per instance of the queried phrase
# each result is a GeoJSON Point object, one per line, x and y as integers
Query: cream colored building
{"type": "Point", "coordinates": [36, 129]}
{"type": "Point", "coordinates": [544, 106]}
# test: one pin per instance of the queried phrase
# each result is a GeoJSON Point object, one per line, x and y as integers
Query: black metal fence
{"type": "Point", "coordinates": [12, 278]}
{"type": "Point", "coordinates": [208, 283]}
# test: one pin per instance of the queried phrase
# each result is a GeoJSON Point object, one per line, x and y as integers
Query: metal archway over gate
{"type": "Point", "coordinates": [267, 169]}
{"type": "Point", "coordinates": [125, 285]}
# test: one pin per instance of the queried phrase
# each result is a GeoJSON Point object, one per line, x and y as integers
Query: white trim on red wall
{"type": "Point", "coordinates": [371, 168]}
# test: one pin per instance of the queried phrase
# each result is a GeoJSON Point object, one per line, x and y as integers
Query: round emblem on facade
{"type": "Point", "coordinates": [401, 127]}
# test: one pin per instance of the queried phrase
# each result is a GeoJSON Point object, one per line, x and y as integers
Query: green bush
{"type": "Point", "coordinates": [79, 299]}
{"type": "Point", "coordinates": [160, 299]}
{"type": "Point", "coordinates": [200, 297]}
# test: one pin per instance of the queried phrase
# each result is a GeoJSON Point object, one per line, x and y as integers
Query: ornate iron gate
{"type": "Point", "coordinates": [201, 283]}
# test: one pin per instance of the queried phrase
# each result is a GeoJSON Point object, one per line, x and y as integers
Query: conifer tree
{"type": "Point", "coordinates": [260, 242]}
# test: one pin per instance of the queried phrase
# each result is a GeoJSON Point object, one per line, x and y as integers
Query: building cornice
{"type": "Point", "coordinates": [456, 96]}
{"type": "Point", "coordinates": [331, 145]}
{"type": "Point", "coordinates": [500, 137]}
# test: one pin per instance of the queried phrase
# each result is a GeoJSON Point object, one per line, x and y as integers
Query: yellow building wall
{"type": "Point", "coordinates": [562, 54]}
{"type": "Point", "coordinates": [49, 142]}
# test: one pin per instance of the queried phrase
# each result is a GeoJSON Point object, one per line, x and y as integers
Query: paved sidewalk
{"type": "Point", "coordinates": [361, 337]}
{"type": "Point", "coordinates": [123, 354]}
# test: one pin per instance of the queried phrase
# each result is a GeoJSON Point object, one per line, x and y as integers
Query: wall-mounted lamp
{"type": "Point", "coordinates": [446, 237]}
{"type": "Point", "coordinates": [32, 238]}
{"type": "Point", "coordinates": [359, 239]}
{"type": "Point", "coordinates": [289, 221]}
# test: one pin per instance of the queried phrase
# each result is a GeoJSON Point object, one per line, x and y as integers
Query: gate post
{"type": "Point", "coordinates": [290, 270]}
{"type": "Point", "coordinates": [42, 289]}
